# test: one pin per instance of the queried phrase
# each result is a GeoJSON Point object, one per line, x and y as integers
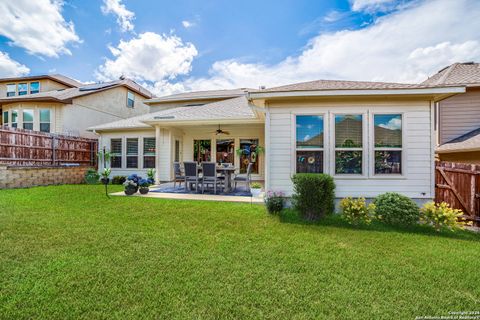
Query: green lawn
{"type": "Point", "coordinates": [69, 252]}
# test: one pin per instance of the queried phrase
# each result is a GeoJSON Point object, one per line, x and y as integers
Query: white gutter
{"type": "Point", "coordinates": [372, 92]}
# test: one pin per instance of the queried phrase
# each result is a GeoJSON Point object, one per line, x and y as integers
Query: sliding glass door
{"type": "Point", "coordinates": [225, 151]}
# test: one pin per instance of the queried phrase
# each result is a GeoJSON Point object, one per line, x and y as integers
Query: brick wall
{"type": "Point", "coordinates": [23, 177]}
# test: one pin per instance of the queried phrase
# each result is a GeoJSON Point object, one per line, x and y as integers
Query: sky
{"type": "Point", "coordinates": [185, 45]}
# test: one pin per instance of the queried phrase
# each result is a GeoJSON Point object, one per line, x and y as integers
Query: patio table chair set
{"type": "Point", "coordinates": [209, 174]}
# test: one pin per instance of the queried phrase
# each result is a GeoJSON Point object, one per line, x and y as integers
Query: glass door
{"type": "Point", "coordinates": [202, 150]}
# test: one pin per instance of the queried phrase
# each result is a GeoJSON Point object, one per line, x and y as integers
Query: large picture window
{"type": "Point", "coordinates": [309, 143]}
{"type": "Point", "coordinates": [148, 153]}
{"type": "Point", "coordinates": [116, 153]}
{"type": "Point", "coordinates": [45, 120]}
{"type": "Point", "coordinates": [225, 151]}
{"type": "Point", "coordinates": [28, 119]}
{"type": "Point", "coordinates": [249, 154]}
{"type": "Point", "coordinates": [348, 144]}
{"type": "Point", "coordinates": [388, 143]}
{"type": "Point", "coordinates": [132, 153]}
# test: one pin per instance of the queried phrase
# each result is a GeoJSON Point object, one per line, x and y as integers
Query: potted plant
{"type": "Point", "coordinates": [143, 186]}
{"type": "Point", "coordinates": [255, 189]}
{"type": "Point", "coordinates": [92, 176]}
{"type": "Point", "coordinates": [106, 176]}
{"type": "Point", "coordinates": [130, 187]}
{"type": "Point", "coordinates": [151, 176]}
{"type": "Point", "coordinates": [135, 178]}
{"type": "Point", "coordinates": [104, 156]}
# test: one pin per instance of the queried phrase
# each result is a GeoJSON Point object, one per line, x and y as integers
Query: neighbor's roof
{"type": "Point", "coordinates": [200, 95]}
{"type": "Point", "coordinates": [467, 73]}
{"type": "Point", "coordinates": [55, 77]}
{"type": "Point", "coordinates": [230, 109]}
{"type": "Point", "coordinates": [66, 95]}
{"type": "Point", "coordinates": [466, 143]}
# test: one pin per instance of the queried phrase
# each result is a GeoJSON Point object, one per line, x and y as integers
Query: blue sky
{"type": "Point", "coordinates": [172, 46]}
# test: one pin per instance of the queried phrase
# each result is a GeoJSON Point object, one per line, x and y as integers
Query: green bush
{"type": "Point", "coordinates": [396, 209]}
{"type": "Point", "coordinates": [274, 201]}
{"type": "Point", "coordinates": [92, 176]}
{"type": "Point", "coordinates": [441, 215]}
{"type": "Point", "coordinates": [356, 211]}
{"type": "Point", "coordinates": [313, 195]}
{"type": "Point", "coordinates": [119, 179]}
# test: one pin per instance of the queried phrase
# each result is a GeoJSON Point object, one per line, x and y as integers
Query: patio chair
{"type": "Point", "coordinates": [179, 177]}
{"type": "Point", "coordinates": [210, 176]}
{"type": "Point", "coordinates": [191, 174]}
{"type": "Point", "coordinates": [244, 178]}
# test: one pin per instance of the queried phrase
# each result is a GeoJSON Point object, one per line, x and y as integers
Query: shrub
{"type": "Point", "coordinates": [151, 175]}
{"type": "Point", "coordinates": [274, 201]}
{"type": "Point", "coordinates": [143, 183]}
{"type": "Point", "coordinates": [118, 179]}
{"type": "Point", "coordinates": [441, 215]}
{"type": "Point", "coordinates": [92, 176]}
{"type": "Point", "coordinates": [396, 209]}
{"type": "Point", "coordinates": [356, 211]}
{"type": "Point", "coordinates": [256, 185]}
{"type": "Point", "coordinates": [313, 195]}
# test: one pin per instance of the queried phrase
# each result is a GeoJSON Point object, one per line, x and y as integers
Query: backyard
{"type": "Point", "coordinates": [71, 252]}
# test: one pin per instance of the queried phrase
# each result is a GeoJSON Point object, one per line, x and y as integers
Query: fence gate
{"type": "Point", "coordinates": [459, 185]}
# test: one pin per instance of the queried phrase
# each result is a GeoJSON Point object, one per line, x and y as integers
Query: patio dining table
{"type": "Point", "coordinates": [227, 172]}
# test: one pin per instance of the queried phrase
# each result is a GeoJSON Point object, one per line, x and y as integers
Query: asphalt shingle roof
{"type": "Point", "coordinates": [468, 142]}
{"type": "Point", "coordinates": [458, 73]}
{"type": "Point", "coordinates": [197, 95]}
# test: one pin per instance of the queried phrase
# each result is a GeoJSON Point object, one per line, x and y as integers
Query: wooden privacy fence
{"type": "Point", "coordinates": [459, 185]}
{"type": "Point", "coordinates": [31, 148]}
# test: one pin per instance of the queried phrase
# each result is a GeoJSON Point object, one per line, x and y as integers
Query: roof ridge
{"type": "Point", "coordinates": [447, 73]}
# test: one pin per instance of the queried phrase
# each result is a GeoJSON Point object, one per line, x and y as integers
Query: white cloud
{"type": "Point", "coordinates": [11, 68]}
{"type": "Point", "coordinates": [393, 124]}
{"type": "Point", "coordinates": [149, 57]}
{"type": "Point", "coordinates": [371, 5]}
{"type": "Point", "coordinates": [404, 46]}
{"type": "Point", "coordinates": [124, 16]}
{"type": "Point", "coordinates": [38, 26]}
{"type": "Point", "coordinates": [188, 24]}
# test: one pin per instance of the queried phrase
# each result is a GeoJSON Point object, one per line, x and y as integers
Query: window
{"type": "Point", "coordinates": [388, 143]}
{"type": "Point", "coordinates": [148, 153]}
{"type": "Point", "coordinates": [348, 144]}
{"type": "Point", "coordinates": [45, 120]}
{"type": "Point", "coordinates": [309, 143]}
{"type": "Point", "coordinates": [34, 87]}
{"type": "Point", "coordinates": [22, 89]}
{"type": "Point", "coordinates": [177, 151]}
{"type": "Point", "coordinates": [132, 153]}
{"type": "Point", "coordinates": [11, 89]}
{"type": "Point", "coordinates": [225, 151]}
{"type": "Point", "coordinates": [130, 99]}
{"type": "Point", "coordinates": [14, 118]}
{"type": "Point", "coordinates": [5, 118]}
{"type": "Point", "coordinates": [249, 154]}
{"type": "Point", "coordinates": [202, 150]}
{"type": "Point", "coordinates": [116, 153]}
{"type": "Point", "coordinates": [28, 119]}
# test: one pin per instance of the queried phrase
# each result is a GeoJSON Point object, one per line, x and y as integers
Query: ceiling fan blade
{"type": "Point", "coordinates": [226, 132]}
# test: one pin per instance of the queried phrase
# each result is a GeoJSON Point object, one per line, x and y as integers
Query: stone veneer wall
{"type": "Point", "coordinates": [23, 177]}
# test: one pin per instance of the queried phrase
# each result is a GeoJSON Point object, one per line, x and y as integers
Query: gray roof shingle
{"type": "Point", "coordinates": [468, 142]}
{"type": "Point", "coordinates": [458, 73]}
{"type": "Point", "coordinates": [198, 95]}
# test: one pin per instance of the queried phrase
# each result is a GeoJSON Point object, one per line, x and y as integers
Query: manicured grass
{"type": "Point", "coordinates": [69, 252]}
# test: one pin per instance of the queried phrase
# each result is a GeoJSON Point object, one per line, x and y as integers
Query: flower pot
{"type": "Point", "coordinates": [130, 190]}
{"type": "Point", "coordinates": [105, 180]}
{"type": "Point", "coordinates": [256, 192]}
{"type": "Point", "coordinates": [144, 190]}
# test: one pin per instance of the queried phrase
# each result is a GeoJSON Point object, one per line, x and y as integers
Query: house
{"type": "Point", "coordinates": [458, 117]}
{"type": "Point", "coordinates": [372, 137]}
{"type": "Point", "coordinates": [58, 104]}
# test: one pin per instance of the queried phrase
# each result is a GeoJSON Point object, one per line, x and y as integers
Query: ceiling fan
{"type": "Point", "coordinates": [220, 131]}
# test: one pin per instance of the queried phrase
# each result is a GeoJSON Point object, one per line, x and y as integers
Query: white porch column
{"type": "Point", "coordinates": [157, 154]}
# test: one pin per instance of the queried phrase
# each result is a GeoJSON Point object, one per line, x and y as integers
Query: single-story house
{"type": "Point", "coordinates": [59, 104]}
{"type": "Point", "coordinates": [372, 137]}
{"type": "Point", "coordinates": [458, 129]}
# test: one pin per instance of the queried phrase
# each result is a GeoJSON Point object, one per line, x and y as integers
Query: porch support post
{"type": "Point", "coordinates": [157, 154]}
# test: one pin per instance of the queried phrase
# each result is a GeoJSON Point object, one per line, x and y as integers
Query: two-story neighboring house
{"type": "Point", "coordinates": [458, 117]}
{"type": "Point", "coordinates": [58, 104]}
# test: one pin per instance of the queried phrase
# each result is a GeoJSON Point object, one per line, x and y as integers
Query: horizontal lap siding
{"type": "Point", "coordinates": [459, 115]}
{"type": "Point", "coordinates": [418, 163]}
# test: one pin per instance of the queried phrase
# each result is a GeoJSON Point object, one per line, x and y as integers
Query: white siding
{"type": "Point", "coordinates": [459, 114]}
{"type": "Point", "coordinates": [416, 181]}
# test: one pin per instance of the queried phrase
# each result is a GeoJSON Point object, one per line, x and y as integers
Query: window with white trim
{"type": "Point", "coordinates": [34, 87]}
{"type": "Point", "coordinates": [14, 118]}
{"type": "Point", "coordinates": [11, 89]}
{"type": "Point", "coordinates": [309, 143]}
{"type": "Point", "coordinates": [349, 144]}
{"type": "Point", "coordinates": [116, 153]}
{"type": "Point", "coordinates": [22, 89]}
{"type": "Point", "coordinates": [387, 143]}
{"type": "Point", "coordinates": [132, 153]}
{"type": "Point", "coordinates": [28, 119]}
{"type": "Point", "coordinates": [148, 153]}
{"type": "Point", "coordinates": [45, 120]}
{"type": "Point", "coordinates": [130, 99]}
{"type": "Point", "coordinates": [5, 118]}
